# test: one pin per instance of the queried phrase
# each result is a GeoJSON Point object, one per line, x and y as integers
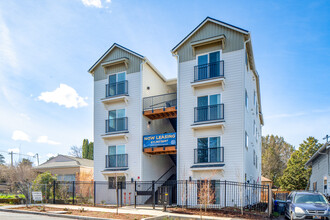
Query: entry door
{"type": "Point", "coordinates": [202, 66]}
{"type": "Point", "coordinates": [215, 107]}
{"type": "Point", "coordinates": [121, 77]}
{"type": "Point", "coordinates": [112, 85]}
{"type": "Point", "coordinates": [202, 150]}
{"type": "Point", "coordinates": [214, 149]}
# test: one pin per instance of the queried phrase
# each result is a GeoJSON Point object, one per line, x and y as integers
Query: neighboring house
{"type": "Point", "coordinates": [320, 164]}
{"type": "Point", "coordinates": [68, 168]}
{"type": "Point", "coordinates": [204, 124]}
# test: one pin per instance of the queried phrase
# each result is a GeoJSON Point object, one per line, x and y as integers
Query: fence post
{"type": "Point", "coordinates": [135, 194]}
{"type": "Point", "coordinates": [186, 194]}
{"type": "Point", "coordinates": [225, 193]}
{"type": "Point", "coordinates": [73, 191]}
{"type": "Point", "coordinates": [121, 194]}
{"type": "Point", "coordinates": [117, 193]}
{"type": "Point", "coordinates": [54, 189]}
{"type": "Point", "coordinates": [94, 192]}
{"type": "Point", "coordinates": [153, 195]}
{"type": "Point", "coordinates": [270, 203]}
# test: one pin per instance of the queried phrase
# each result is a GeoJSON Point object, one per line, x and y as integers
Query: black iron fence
{"type": "Point", "coordinates": [213, 194]}
{"type": "Point", "coordinates": [209, 71]}
{"type": "Point", "coordinates": [116, 160]}
{"type": "Point", "coordinates": [209, 113]}
{"type": "Point", "coordinates": [209, 155]}
{"type": "Point", "coordinates": [159, 101]}
{"type": "Point", "coordinates": [117, 88]}
{"type": "Point", "coordinates": [116, 125]}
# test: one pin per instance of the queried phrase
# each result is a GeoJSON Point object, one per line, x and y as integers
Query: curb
{"type": "Point", "coordinates": [55, 215]}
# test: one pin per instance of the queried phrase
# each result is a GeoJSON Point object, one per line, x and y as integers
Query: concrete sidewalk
{"type": "Point", "coordinates": [128, 210]}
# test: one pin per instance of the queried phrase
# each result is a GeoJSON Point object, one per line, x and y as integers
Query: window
{"type": "Point", "coordinates": [208, 65]}
{"type": "Point", "coordinates": [117, 156]}
{"type": "Point", "coordinates": [208, 150]}
{"type": "Point", "coordinates": [246, 100]}
{"type": "Point", "coordinates": [208, 107]}
{"type": "Point", "coordinates": [117, 120]}
{"type": "Point", "coordinates": [121, 180]}
{"type": "Point", "coordinates": [117, 83]}
{"type": "Point", "coordinates": [246, 140]}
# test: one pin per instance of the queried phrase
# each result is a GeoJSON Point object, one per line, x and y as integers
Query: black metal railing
{"type": "Point", "coordinates": [116, 160]}
{"type": "Point", "coordinates": [209, 113]}
{"type": "Point", "coordinates": [159, 101]}
{"type": "Point", "coordinates": [116, 124]}
{"type": "Point", "coordinates": [209, 155]}
{"type": "Point", "coordinates": [209, 70]}
{"type": "Point", "coordinates": [117, 88]}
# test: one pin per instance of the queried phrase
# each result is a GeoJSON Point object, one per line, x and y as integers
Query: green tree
{"type": "Point", "coordinates": [26, 162]}
{"type": "Point", "coordinates": [91, 151]}
{"type": "Point", "coordinates": [296, 175]}
{"type": "Point", "coordinates": [44, 182]}
{"type": "Point", "coordinates": [2, 160]}
{"type": "Point", "coordinates": [85, 148]}
{"type": "Point", "coordinates": [275, 155]}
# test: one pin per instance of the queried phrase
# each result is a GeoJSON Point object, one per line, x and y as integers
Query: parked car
{"type": "Point", "coordinates": [307, 205]}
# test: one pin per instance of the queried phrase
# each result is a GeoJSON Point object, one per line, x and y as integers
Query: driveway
{"type": "Point", "coordinates": [16, 216]}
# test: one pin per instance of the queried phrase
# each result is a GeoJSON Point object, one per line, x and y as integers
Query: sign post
{"type": "Point", "coordinates": [37, 196]}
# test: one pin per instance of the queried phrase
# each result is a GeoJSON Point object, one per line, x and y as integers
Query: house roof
{"type": "Point", "coordinates": [64, 161]}
{"type": "Point", "coordinates": [317, 153]}
{"type": "Point", "coordinates": [241, 30]}
{"type": "Point", "coordinates": [264, 179]}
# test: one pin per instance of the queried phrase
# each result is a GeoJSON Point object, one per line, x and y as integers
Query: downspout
{"type": "Point", "coordinates": [141, 117]}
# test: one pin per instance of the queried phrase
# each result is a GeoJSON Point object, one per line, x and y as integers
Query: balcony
{"type": "Point", "coordinates": [209, 74]}
{"type": "Point", "coordinates": [208, 116]}
{"type": "Point", "coordinates": [209, 155]}
{"type": "Point", "coordinates": [115, 92]}
{"type": "Point", "coordinates": [116, 128]}
{"type": "Point", "coordinates": [116, 161]}
{"type": "Point", "coordinates": [160, 106]}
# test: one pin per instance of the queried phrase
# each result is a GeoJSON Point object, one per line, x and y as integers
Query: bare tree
{"type": "Point", "coordinates": [75, 151]}
{"type": "Point", "coordinates": [21, 177]}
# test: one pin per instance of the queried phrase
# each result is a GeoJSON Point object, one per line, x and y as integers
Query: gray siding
{"type": "Point", "coordinates": [234, 40]}
{"type": "Point", "coordinates": [319, 171]}
{"type": "Point", "coordinates": [117, 53]}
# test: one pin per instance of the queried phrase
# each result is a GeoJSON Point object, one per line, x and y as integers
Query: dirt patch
{"type": "Point", "coordinates": [230, 213]}
{"type": "Point", "coordinates": [83, 212]}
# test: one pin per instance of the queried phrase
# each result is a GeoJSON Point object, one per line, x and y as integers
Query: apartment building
{"type": "Point", "coordinates": [204, 124]}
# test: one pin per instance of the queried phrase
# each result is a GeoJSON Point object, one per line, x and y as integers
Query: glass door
{"type": "Point", "coordinates": [121, 120]}
{"type": "Point", "coordinates": [202, 108]}
{"type": "Point", "coordinates": [121, 156]}
{"type": "Point", "coordinates": [214, 107]}
{"type": "Point", "coordinates": [202, 151]}
{"type": "Point", "coordinates": [214, 148]}
{"type": "Point", "coordinates": [112, 121]}
{"type": "Point", "coordinates": [121, 77]}
{"type": "Point", "coordinates": [112, 160]}
{"type": "Point", "coordinates": [112, 85]}
{"type": "Point", "coordinates": [202, 66]}
{"type": "Point", "coordinates": [214, 66]}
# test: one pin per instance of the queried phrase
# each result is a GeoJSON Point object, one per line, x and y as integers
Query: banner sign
{"type": "Point", "coordinates": [159, 140]}
{"type": "Point", "coordinates": [37, 196]}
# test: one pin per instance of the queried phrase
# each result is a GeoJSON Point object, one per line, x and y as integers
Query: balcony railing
{"type": "Point", "coordinates": [118, 88]}
{"type": "Point", "coordinates": [116, 160]}
{"type": "Point", "coordinates": [159, 101]}
{"type": "Point", "coordinates": [209, 113]}
{"type": "Point", "coordinates": [209, 155]}
{"type": "Point", "coordinates": [116, 125]}
{"type": "Point", "coordinates": [209, 70]}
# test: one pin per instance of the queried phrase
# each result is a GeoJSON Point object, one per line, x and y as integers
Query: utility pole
{"type": "Point", "coordinates": [11, 158]}
{"type": "Point", "coordinates": [37, 155]}
{"type": "Point", "coordinates": [326, 138]}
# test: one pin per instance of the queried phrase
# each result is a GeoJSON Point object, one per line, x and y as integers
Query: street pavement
{"type": "Point", "coordinates": [19, 216]}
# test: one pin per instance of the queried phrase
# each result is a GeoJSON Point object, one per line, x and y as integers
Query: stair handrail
{"type": "Point", "coordinates": [161, 177]}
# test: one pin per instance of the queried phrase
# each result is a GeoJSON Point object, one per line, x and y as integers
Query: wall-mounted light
{"type": "Point", "coordinates": [132, 180]}
{"type": "Point", "coordinates": [149, 122]}
{"type": "Point", "coordinates": [189, 178]}
{"type": "Point", "coordinates": [148, 87]}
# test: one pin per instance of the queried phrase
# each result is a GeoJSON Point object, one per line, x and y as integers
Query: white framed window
{"type": "Point", "coordinates": [209, 150]}
{"type": "Point", "coordinates": [246, 100]}
{"type": "Point", "coordinates": [246, 140]}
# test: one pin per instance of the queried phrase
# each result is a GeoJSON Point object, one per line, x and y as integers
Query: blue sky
{"type": "Point", "coordinates": [46, 48]}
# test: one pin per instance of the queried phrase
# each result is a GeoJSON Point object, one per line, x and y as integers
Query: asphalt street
{"type": "Point", "coordinates": [16, 216]}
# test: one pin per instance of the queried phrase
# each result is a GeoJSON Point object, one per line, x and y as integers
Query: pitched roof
{"type": "Point", "coordinates": [109, 50]}
{"type": "Point", "coordinates": [264, 179]}
{"type": "Point", "coordinates": [317, 153]}
{"type": "Point", "coordinates": [64, 161]}
{"type": "Point", "coordinates": [241, 30]}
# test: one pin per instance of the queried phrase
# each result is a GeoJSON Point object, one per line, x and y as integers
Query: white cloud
{"type": "Point", "coordinates": [64, 95]}
{"type": "Point", "coordinates": [14, 150]}
{"type": "Point", "coordinates": [93, 3]}
{"type": "Point", "coordinates": [50, 155]}
{"type": "Point", "coordinates": [25, 116]}
{"type": "Point", "coordinates": [45, 140]}
{"type": "Point", "coordinates": [108, 1]}
{"type": "Point", "coordinates": [20, 136]}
